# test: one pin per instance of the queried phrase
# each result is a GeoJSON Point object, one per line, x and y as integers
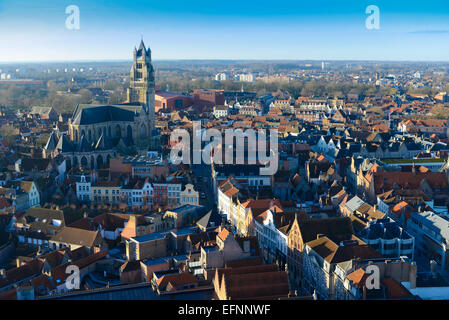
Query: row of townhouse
{"type": "Point", "coordinates": [230, 193]}
{"type": "Point", "coordinates": [271, 229]}
{"type": "Point", "coordinates": [237, 207]}
{"type": "Point", "coordinates": [326, 259]}
{"type": "Point", "coordinates": [339, 271]}
{"type": "Point", "coordinates": [263, 218]}
{"type": "Point", "coordinates": [137, 193]}
{"type": "Point", "coordinates": [430, 126]}
{"type": "Point", "coordinates": [331, 145]}
{"type": "Point", "coordinates": [22, 194]}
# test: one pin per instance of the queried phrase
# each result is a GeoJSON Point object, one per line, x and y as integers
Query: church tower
{"type": "Point", "coordinates": [142, 86]}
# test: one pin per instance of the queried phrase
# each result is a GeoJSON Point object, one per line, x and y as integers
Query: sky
{"type": "Point", "coordinates": [412, 30]}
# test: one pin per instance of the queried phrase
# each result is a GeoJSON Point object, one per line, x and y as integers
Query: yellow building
{"type": "Point", "coordinates": [106, 192]}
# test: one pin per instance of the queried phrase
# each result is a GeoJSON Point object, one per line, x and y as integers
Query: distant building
{"type": "Point", "coordinates": [170, 102]}
{"type": "Point", "coordinates": [245, 77]}
{"type": "Point", "coordinates": [221, 77]}
{"type": "Point", "coordinates": [45, 113]}
{"type": "Point", "coordinates": [207, 99]}
{"type": "Point", "coordinates": [220, 111]}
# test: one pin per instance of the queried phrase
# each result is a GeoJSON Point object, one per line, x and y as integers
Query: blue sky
{"type": "Point", "coordinates": [33, 30]}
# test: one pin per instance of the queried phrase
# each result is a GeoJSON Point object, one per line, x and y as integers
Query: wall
{"type": "Point", "coordinates": [5, 252]}
{"type": "Point", "coordinates": [152, 249]}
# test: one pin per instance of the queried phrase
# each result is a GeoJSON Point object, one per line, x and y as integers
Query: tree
{"type": "Point", "coordinates": [86, 96]}
{"type": "Point", "coordinates": [9, 133]}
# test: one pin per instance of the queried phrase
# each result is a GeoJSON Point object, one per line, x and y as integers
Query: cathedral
{"type": "Point", "coordinates": [97, 133]}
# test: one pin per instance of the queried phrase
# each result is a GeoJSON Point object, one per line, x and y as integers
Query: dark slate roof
{"type": "Point", "coordinates": [64, 145]}
{"type": "Point", "coordinates": [371, 147]}
{"type": "Point", "coordinates": [52, 142]}
{"type": "Point", "coordinates": [439, 146]}
{"type": "Point", "coordinates": [413, 146]}
{"type": "Point", "coordinates": [353, 148]}
{"type": "Point", "coordinates": [142, 49]}
{"type": "Point", "coordinates": [144, 292]}
{"type": "Point", "coordinates": [100, 114]}
{"type": "Point", "coordinates": [84, 145]}
{"type": "Point", "coordinates": [384, 229]}
{"type": "Point", "coordinates": [103, 144]}
{"type": "Point", "coordinates": [210, 220]}
{"type": "Point", "coordinates": [336, 229]}
{"type": "Point", "coordinates": [340, 154]}
{"type": "Point", "coordinates": [40, 164]}
{"type": "Point", "coordinates": [394, 146]}
{"type": "Point", "coordinates": [237, 170]}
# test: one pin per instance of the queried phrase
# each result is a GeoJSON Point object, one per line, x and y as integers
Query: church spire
{"type": "Point", "coordinates": [142, 46]}
{"type": "Point", "coordinates": [143, 51]}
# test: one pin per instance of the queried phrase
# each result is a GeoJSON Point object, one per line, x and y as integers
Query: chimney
{"type": "Point", "coordinates": [320, 235]}
{"type": "Point", "coordinates": [412, 275]}
{"type": "Point", "coordinates": [97, 248]}
{"type": "Point", "coordinates": [246, 246]}
{"type": "Point", "coordinates": [433, 268]}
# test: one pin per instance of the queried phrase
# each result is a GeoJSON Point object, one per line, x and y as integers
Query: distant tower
{"type": "Point", "coordinates": [142, 87]}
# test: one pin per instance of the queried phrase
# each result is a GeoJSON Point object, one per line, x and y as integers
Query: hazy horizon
{"type": "Point", "coordinates": [226, 60]}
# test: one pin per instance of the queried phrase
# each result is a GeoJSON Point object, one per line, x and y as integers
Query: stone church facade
{"type": "Point", "coordinates": [97, 133]}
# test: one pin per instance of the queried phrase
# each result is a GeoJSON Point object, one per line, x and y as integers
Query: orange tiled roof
{"type": "Point", "coordinates": [358, 277]}
{"type": "Point", "coordinates": [223, 235]}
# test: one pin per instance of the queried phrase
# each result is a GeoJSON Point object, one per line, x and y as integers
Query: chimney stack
{"type": "Point", "coordinates": [246, 246]}
{"type": "Point", "coordinates": [413, 273]}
